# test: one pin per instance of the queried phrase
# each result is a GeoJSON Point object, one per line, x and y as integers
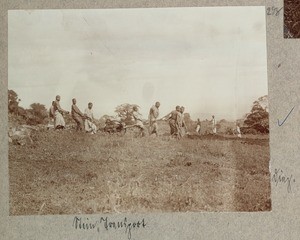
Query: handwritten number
{"type": "Point", "coordinates": [277, 13]}
{"type": "Point", "coordinates": [273, 11]}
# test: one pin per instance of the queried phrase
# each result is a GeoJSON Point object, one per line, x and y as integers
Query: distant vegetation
{"type": "Point", "coordinates": [257, 121]}
{"type": "Point", "coordinates": [36, 114]}
{"type": "Point", "coordinates": [254, 122]}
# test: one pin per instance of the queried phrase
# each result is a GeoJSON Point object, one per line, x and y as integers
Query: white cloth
{"type": "Point", "coordinates": [59, 119]}
{"type": "Point", "coordinates": [198, 128]}
{"type": "Point", "coordinates": [138, 119]}
{"type": "Point", "coordinates": [89, 126]}
{"type": "Point", "coordinates": [214, 128]}
{"type": "Point", "coordinates": [239, 131]}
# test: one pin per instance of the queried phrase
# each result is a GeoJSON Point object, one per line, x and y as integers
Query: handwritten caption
{"type": "Point", "coordinates": [273, 11]}
{"type": "Point", "coordinates": [280, 178]}
{"type": "Point", "coordinates": [86, 224]}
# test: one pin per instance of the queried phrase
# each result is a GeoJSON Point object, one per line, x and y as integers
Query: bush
{"type": "Point", "coordinates": [258, 118]}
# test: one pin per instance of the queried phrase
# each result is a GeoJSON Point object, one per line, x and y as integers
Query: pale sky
{"type": "Point", "coordinates": [212, 60]}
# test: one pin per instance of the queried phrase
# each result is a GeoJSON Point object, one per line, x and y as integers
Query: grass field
{"type": "Point", "coordinates": [67, 172]}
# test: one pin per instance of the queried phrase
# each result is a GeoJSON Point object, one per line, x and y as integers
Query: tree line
{"type": "Point", "coordinates": [36, 114]}
{"type": "Point", "coordinates": [256, 121]}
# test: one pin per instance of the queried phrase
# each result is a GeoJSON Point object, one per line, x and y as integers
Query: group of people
{"type": "Point", "coordinates": [175, 119]}
{"type": "Point", "coordinates": [152, 117]}
{"type": "Point", "coordinates": [176, 122]}
{"type": "Point", "coordinates": [84, 121]}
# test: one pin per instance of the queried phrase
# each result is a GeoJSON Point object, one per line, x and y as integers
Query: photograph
{"type": "Point", "coordinates": [291, 18]}
{"type": "Point", "coordinates": [138, 110]}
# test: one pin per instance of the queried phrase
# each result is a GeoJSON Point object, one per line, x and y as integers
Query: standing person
{"type": "Point", "coordinates": [198, 128]}
{"type": "Point", "coordinates": [59, 121]}
{"type": "Point", "coordinates": [239, 134]}
{"type": "Point", "coordinates": [89, 126]}
{"type": "Point", "coordinates": [214, 127]}
{"type": "Point", "coordinates": [138, 120]}
{"type": "Point", "coordinates": [182, 125]}
{"type": "Point", "coordinates": [51, 115]}
{"type": "Point", "coordinates": [174, 119]}
{"type": "Point", "coordinates": [77, 115]}
{"type": "Point", "coordinates": [153, 115]}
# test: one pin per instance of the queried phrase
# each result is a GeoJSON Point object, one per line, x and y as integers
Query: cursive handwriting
{"type": "Point", "coordinates": [280, 178]}
{"type": "Point", "coordinates": [82, 223]}
{"type": "Point", "coordinates": [281, 123]}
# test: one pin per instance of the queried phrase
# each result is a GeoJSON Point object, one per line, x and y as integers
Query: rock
{"type": "Point", "coordinates": [20, 135]}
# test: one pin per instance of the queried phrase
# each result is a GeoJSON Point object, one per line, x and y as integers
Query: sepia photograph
{"type": "Point", "coordinates": [291, 18]}
{"type": "Point", "coordinates": [142, 110]}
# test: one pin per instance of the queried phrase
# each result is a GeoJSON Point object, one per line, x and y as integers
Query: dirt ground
{"type": "Point", "coordinates": [67, 172]}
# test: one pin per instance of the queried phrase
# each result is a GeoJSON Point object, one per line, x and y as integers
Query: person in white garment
{"type": "Point", "coordinates": [89, 124]}
{"type": "Point", "coordinates": [214, 127]}
{"type": "Point", "coordinates": [51, 116]}
{"type": "Point", "coordinates": [198, 128]}
{"type": "Point", "coordinates": [238, 130]}
{"type": "Point", "coordinates": [59, 122]}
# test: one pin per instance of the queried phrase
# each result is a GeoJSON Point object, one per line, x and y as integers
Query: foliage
{"type": "Point", "coordinates": [124, 111]}
{"type": "Point", "coordinates": [37, 114]}
{"type": "Point", "coordinates": [258, 118]}
{"type": "Point", "coordinates": [13, 102]}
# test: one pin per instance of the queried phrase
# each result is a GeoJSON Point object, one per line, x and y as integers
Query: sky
{"type": "Point", "coordinates": [212, 60]}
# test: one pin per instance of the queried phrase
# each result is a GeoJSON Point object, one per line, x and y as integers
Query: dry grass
{"type": "Point", "coordinates": [71, 173]}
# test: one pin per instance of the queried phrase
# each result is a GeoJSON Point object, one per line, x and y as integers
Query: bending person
{"type": "Point", "coordinates": [59, 121]}
{"type": "Point", "coordinates": [138, 120]}
{"type": "Point", "coordinates": [174, 121]}
{"type": "Point", "coordinates": [182, 124]}
{"type": "Point", "coordinates": [77, 115]}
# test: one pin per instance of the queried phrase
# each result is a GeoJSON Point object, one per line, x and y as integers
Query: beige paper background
{"type": "Point", "coordinates": [283, 222]}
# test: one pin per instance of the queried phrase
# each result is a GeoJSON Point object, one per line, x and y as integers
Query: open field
{"type": "Point", "coordinates": [67, 172]}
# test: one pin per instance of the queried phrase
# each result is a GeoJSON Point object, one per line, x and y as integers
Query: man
{"type": "Point", "coordinates": [153, 115]}
{"type": "Point", "coordinates": [238, 130]}
{"type": "Point", "coordinates": [51, 116]}
{"type": "Point", "coordinates": [77, 115]}
{"type": "Point", "coordinates": [89, 126]}
{"type": "Point", "coordinates": [174, 119]}
{"type": "Point", "coordinates": [182, 125]}
{"type": "Point", "coordinates": [59, 122]}
{"type": "Point", "coordinates": [138, 120]}
{"type": "Point", "coordinates": [214, 127]}
{"type": "Point", "coordinates": [198, 128]}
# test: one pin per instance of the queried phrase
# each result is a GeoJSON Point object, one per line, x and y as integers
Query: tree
{"type": "Point", "coordinates": [258, 118]}
{"type": "Point", "coordinates": [13, 102]}
{"type": "Point", "coordinates": [37, 114]}
{"type": "Point", "coordinates": [124, 111]}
